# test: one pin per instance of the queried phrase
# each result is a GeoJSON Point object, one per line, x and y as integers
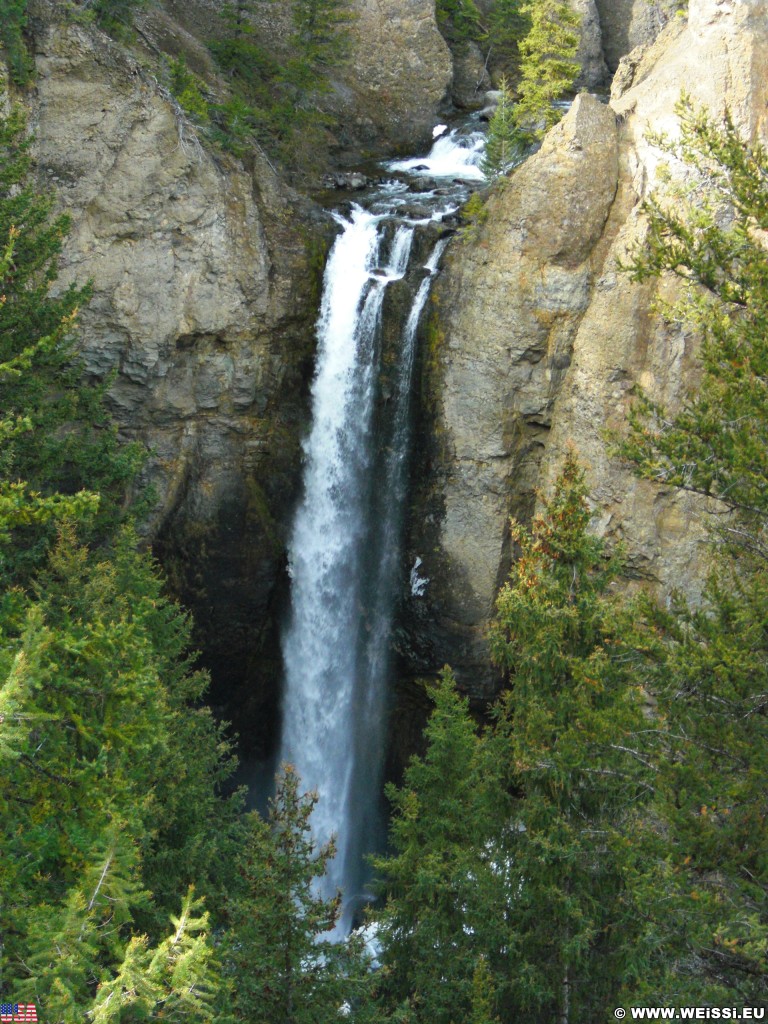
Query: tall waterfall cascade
{"type": "Point", "coordinates": [344, 550]}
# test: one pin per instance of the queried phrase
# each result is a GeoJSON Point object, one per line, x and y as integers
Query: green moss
{"type": "Point", "coordinates": [316, 248]}
{"type": "Point", "coordinates": [435, 342]}
{"type": "Point", "coordinates": [186, 87]}
{"type": "Point", "coordinates": [474, 214]}
{"type": "Point", "coordinates": [258, 511]}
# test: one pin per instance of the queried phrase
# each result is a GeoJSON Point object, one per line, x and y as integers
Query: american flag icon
{"type": "Point", "coordinates": [12, 1012]}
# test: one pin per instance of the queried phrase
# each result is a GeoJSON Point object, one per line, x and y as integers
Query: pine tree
{"type": "Point", "coordinates": [708, 922]}
{"type": "Point", "coordinates": [278, 946]}
{"type": "Point", "coordinates": [116, 16]}
{"type": "Point", "coordinates": [178, 980]}
{"type": "Point", "coordinates": [548, 67]}
{"type": "Point", "coordinates": [459, 21]}
{"type": "Point", "coordinates": [505, 142]}
{"type": "Point", "coordinates": [718, 444]}
{"type": "Point", "coordinates": [509, 24]}
{"type": "Point", "coordinates": [109, 768]}
{"type": "Point", "coordinates": [321, 31]}
{"type": "Point", "coordinates": [443, 925]}
{"type": "Point", "coordinates": [571, 730]}
{"type": "Point", "coordinates": [13, 22]}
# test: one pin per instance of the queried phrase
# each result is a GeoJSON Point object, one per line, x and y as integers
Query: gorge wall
{"type": "Point", "coordinates": [203, 274]}
{"type": "Point", "coordinates": [537, 338]}
{"type": "Point", "coordinates": [206, 273]}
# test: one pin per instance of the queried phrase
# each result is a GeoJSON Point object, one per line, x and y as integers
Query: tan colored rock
{"type": "Point", "coordinates": [509, 308]}
{"type": "Point", "coordinates": [398, 73]}
{"type": "Point", "coordinates": [203, 308]}
{"type": "Point", "coordinates": [620, 341]}
{"type": "Point", "coordinates": [540, 337]}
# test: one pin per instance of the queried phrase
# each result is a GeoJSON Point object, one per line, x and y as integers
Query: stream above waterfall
{"type": "Point", "coordinates": [344, 552]}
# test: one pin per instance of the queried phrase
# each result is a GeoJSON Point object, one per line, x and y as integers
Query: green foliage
{"type": "Point", "coordinates": [547, 65]}
{"type": "Point", "coordinates": [320, 31]}
{"type": "Point", "coordinates": [111, 768]}
{"type": "Point", "coordinates": [116, 16]}
{"type": "Point", "coordinates": [445, 889]}
{"type": "Point", "coordinates": [704, 895]}
{"type": "Point", "coordinates": [708, 928]}
{"type": "Point", "coordinates": [186, 87]}
{"type": "Point", "coordinates": [474, 214]}
{"type": "Point", "coordinates": [287, 972]}
{"type": "Point", "coordinates": [459, 20]}
{"type": "Point", "coordinates": [510, 22]}
{"type": "Point", "coordinates": [111, 764]}
{"type": "Point", "coordinates": [58, 436]}
{"type": "Point", "coordinates": [277, 103]}
{"type": "Point", "coordinates": [571, 728]}
{"type": "Point", "coordinates": [505, 142]}
{"type": "Point", "coordinates": [176, 981]}
{"type": "Point", "coordinates": [13, 21]}
{"type": "Point", "coordinates": [718, 443]}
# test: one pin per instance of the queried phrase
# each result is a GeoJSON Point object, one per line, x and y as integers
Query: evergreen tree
{"type": "Point", "coordinates": [111, 775]}
{"type": "Point", "coordinates": [459, 21]}
{"type": "Point", "coordinates": [570, 727]}
{"type": "Point", "coordinates": [108, 761]}
{"type": "Point", "coordinates": [718, 444]}
{"type": "Point", "coordinates": [13, 21]}
{"type": "Point", "coordinates": [178, 980]}
{"type": "Point", "coordinates": [444, 923]}
{"type": "Point", "coordinates": [116, 16]}
{"type": "Point", "coordinates": [548, 67]}
{"type": "Point", "coordinates": [288, 971]}
{"type": "Point", "coordinates": [505, 142]}
{"type": "Point", "coordinates": [509, 24]}
{"type": "Point", "coordinates": [708, 923]}
{"type": "Point", "coordinates": [320, 31]}
{"type": "Point", "coordinates": [60, 436]}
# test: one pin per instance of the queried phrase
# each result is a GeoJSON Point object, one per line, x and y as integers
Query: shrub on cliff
{"type": "Point", "coordinates": [708, 922]}
{"type": "Point", "coordinates": [548, 67]}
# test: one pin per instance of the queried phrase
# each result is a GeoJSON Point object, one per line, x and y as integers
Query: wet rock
{"type": "Point", "coordinates": [470, 77]}
{"type": "Point", "coordinates": [352, 180]}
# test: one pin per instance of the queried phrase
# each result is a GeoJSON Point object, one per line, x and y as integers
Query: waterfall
{"type": "Point", "coordinates": [344, 549]}
{"type": "Point", "coordinates": [326, 638]}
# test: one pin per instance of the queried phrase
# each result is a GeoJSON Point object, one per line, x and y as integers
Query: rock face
{"type": "Point", "coordinates": [203, 308]}
{"type": "Point", "coordinates": [470, 78]}
{"type": "Point", "coordinates": [626, 24]}
{"type": "Point", "coordinates": [398, 73]}
{"type": "Point", "coordinates": [594, 71]}
{"type": "Point", "coordinates": [386, 93]}
{"type": "Point", "coordinates": [537, 338]}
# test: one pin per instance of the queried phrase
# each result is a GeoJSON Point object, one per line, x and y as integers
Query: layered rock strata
{"type": "Point", "coordinates": [203, 310]}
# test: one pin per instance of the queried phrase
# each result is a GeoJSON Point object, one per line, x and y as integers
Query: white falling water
{"type": "Point", "coordinates": [344, 550]}
{"type": "Point", "coordinates": [454, 155]}
{"type": "Point", "coordinates": [322, 645]}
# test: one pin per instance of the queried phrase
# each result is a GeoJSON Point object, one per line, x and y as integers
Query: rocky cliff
{"type": "Point", "coordinates": [205, 285]}
{"type": "Point", "coordinates": [206, 274]}
{"type": "Point", "coordinates": [536, 339]}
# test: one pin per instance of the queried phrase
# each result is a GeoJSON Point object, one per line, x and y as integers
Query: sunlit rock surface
{"type": "Point", "coordinates": [537, 339]}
